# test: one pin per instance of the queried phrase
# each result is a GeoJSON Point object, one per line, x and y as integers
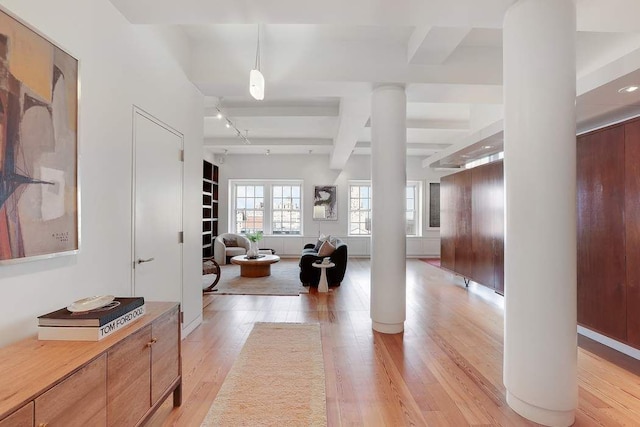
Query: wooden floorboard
{"type": "Point", "coordinates": [444, 370]}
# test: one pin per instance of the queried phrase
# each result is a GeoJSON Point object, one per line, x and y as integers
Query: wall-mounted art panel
{"type": "Point", "coordinates": [38, 145]}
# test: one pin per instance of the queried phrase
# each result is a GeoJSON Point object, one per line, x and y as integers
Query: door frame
{"type": "Point", "coordinates": [135, 112]}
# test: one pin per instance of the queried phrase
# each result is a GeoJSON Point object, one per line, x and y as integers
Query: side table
{"type": "Point", "coordinates": [323, 286]}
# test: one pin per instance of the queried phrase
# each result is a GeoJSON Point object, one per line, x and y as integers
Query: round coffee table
{"type": "Point", "coordinates": [258, 267]}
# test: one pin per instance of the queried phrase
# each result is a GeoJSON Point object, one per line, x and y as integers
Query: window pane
{"type": "Point", "coordinates": [249, 191]}
{"type": "Point", "coordinates": [259, 191]}
{"type": "Point", "coordinates": [364, 191]}
{"type": "Point", "coordinates": [277, 191]}
{"type": "Point", "coordinates": [295, 191]}
{"type": "Point", "coordinates": [286, 191]}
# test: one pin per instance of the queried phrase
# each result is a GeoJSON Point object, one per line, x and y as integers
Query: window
{"type": "Point", "coordinates": [286, 209]}
{"type": "Point", "coordinates": [273, 207]}
{"type": "Point", "coordinates": [412, 209]}
{"type": "Point", "coordinates": [249, 212]}
{"type": "Point", "coordinates": [360, 208]}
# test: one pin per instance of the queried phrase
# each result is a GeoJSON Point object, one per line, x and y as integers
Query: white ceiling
{"type": "Point", "coordinates": [322, 59]}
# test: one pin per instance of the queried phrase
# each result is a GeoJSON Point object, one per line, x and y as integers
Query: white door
{"type": "Point", "coordinates": [157, 210]}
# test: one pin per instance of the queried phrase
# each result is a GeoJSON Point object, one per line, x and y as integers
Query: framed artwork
{"type": "Point", "coordinates": [325, 203]}
{"type": "Point", "coordinates": [434, 205]}
{"type": "Point", "coordinates": [39, 215]}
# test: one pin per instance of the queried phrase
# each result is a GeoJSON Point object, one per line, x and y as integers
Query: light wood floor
{"type": "Point", "coordinates": [446, 369]}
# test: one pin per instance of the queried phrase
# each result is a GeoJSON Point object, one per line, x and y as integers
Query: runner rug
{"type": "Point", "coordinates": [277, 380]}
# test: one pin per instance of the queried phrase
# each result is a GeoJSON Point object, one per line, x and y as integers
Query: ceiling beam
{"type": "Point", "coordinates": [615, 16]}
{"type": "Point", "coordinates": [274, 111]}
{"type": "Point", "coordinates": [213, 142]}
{"type": "Point", "coordinates": [433, 45]}
{"type": "Point", "coordinates": [477, 13]}
{"type": "Point", "coordinates": [433, 124]}
{"type": "Point", "coordinates": [354, 114]}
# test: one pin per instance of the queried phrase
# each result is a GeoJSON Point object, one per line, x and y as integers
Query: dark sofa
{"type": "Point", "coordinates": [310, 275]}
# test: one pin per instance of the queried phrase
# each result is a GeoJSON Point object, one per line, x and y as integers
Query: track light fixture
{"type": "Point", "coordinates": [229, 124]}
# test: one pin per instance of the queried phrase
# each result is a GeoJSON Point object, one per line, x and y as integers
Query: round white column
{"type": "Point", "coordinates": [388, 229]}
{"type": "Point", "coordinates": [540, 348]}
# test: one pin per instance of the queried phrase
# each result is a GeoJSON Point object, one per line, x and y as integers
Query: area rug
{"type": "Point", "coordinates": [277, 380]}
{"type": "Point", "coordinates": [284, 280]}
{"type": "Point", "coordinates": [432, 261]}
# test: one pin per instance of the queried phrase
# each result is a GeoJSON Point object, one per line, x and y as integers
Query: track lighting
{"type": "Point", "coordinates": [229, 124]}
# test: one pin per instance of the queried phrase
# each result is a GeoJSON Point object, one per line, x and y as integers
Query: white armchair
{"type": "Point", "coordinates": [223, 246]}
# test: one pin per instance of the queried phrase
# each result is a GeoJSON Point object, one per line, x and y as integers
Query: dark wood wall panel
{"type": "Point", "coordinates": [463, 248]}
{"type": "Point", "coordinates": [482, 227]}
{"type": "Point", "coordinates": [488, 225]}
{"type": "Point", "coordinates": [472, 224]}
{"type": "Point", "coordinates": [447, 223]}
{"type": "Point", "coordinates": [632, 230]}
{"type": "Point", "coordinates": [601, 233]}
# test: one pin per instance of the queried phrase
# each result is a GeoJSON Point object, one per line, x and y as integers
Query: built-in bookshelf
{"type": "Point", "coordinates": [209, 207]}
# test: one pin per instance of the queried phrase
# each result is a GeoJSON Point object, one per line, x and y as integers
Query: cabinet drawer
{"type": "Point", "coordinates": [23, 417]}
{"type": "Point", "coordinates": [80, 400]}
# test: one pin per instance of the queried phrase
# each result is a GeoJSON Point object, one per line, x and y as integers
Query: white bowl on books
{"type": "Point", "coordinates": [90, 303]}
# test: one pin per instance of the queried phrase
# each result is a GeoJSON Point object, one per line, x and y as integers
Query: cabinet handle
{"type": "Point", "coordinates": [152, 342]}
{"type": "Point", "coordinates": [43, 425]}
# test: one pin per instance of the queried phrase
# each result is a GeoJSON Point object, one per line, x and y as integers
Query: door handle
{"type": "Point", "coordinates": [140, 260]}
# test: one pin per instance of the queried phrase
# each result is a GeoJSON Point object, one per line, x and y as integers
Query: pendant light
{"type": "Point", "coordinates": [256, 79]}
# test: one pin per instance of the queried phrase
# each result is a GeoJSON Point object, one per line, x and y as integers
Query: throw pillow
{"type": "Point", "coordinates": [326, 249]}
{"type": "Point", "coordinates": [320, 241]}
{"type": "Point", "coordinates": [230, 242]}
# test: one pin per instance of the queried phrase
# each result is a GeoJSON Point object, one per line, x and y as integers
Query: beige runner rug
{"type": "Point", "coordinates": [277, 380]}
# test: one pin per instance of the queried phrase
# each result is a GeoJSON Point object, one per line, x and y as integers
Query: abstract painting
{"type": "Point", "coordinates": [325, 203]}
{"type": "Point", "coordinates": [38, 145]}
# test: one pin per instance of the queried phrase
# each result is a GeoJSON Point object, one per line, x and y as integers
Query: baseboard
{"type": "Point", "coordinates": [187, 329]}
{"type": "Point", "coordinates": [609, 342]}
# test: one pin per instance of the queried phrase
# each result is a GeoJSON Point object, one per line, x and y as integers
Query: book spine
{"type": "Point", "coordinates": [89, 333]}
{"type": "Point", "coordinates": [120, 322]}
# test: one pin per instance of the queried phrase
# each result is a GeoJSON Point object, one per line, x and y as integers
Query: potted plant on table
{"type": "Point", "coordinates": [254, 238]}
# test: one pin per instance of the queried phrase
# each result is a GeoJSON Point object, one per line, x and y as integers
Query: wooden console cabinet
{"type": "Point", "coordinates": [119, 381]}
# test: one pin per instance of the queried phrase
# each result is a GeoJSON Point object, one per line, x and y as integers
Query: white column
{"type": "Point", "coordinates": [540, 348]}
{"type": "Point", "coordinates": [388, 230]}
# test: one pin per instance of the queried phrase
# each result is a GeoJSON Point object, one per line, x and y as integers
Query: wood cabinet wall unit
{"type": "Point", "coordinates": [608, 199]}
{"type": "Point", "coordinates": [118, 381]}
{"type": "Point", "coordinates": [209, 207]}
{"type": "Point", "coordinates": [472, 224]}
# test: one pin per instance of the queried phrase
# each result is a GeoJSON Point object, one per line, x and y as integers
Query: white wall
{"type": "Point", "coordinates": [314, 170]}
{"type": "Point", "coordinates": [120, 66]}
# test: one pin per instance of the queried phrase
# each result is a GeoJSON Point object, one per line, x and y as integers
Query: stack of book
{"type": "Point", "coordinates": [92, 325]}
